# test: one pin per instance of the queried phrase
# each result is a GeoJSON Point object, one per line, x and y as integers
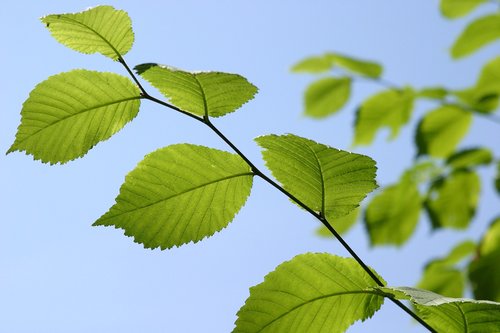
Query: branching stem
{"type": "Point", "coordinates": [257, 172]}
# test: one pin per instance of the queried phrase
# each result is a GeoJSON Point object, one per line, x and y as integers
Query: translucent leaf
{"type": "Point", "coordinates": [452, 201]}
{"type": "Point", "coordinates": [326, 96]}
{"type": "Point", "coordinates": [477, 34]}
{"type": "Point", "coordinates": [446, 314]}
{"type": "Point", "coordinates": [422, 172]}
{"type": "Point", "coordinates": [457, 8]}
{"type": "Point", "coordinates": [392, 215]}
{"type": "Point", "coordinates": [364, 67]}
{"type": "Point", "coordinates": [314, 64]}
{"type": "Point", "coordinates": [180, 194]}
{"type": "Point", "coordinates": [390, 108]}
{"type": "Point", "coordinates": [203, 93]}
{"type": "Point", "coordinates": [313, 292]}
{"type": "Point", "coordinates": [433, 92]}
{"type": "Point", "coordinates": [69, 113]}
{"type": "Point", "coordinates": [328, 180]}
{"type": "Point", "coordinates": [440, 130]}
{"type": "Point", "coordinates": [471, 157]}
{"type": "Point", "coordinates": [484, 270]}
{"type": "Point", "coordinates": [341, 224]}
{"type": "Point", "coordinates": [458, 253]}
{"type": "Point", "coordinates": [101, 29]}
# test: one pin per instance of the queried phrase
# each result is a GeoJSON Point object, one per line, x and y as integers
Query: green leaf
{"type": "Point", "coordinates": [477, 34]}
{"type": "Point", "coordinates": [364, 67]}
{"type": "Point", "coordinates": [180, 194]}
{"type": "Point", "coordinates": [497, 178]}
{"type": "Point", "coordinates": [341, 224]}
{"type": "Point", "coordinates": [314, 64]}
{"type": "Point", "coordinates": [101, 29]}
{"type": "Point", "coordinates": [326, 96]}
{"type": "Point", "coordinates": [390, 108]}
{"type": "Point", "coordinates": [446, 314]}
{"type": "Point", "coordinates": [458, 253]}
{"type": "Point", "coordinates": [422, 172]}
{"type": "Point", "coordinates": [457, 8]}
{"type": "Point", "coordinates": [211, 94]}
{"type": "Point", "coordinates": [484, 270]}
{"type": "Point", "coordinates": [69, 113]}
{"type": "Point", "coordinates": [313, 292]}
{"type": "Point", "coordinates": [433, 93]}
{"type": "Point", "coordinates": [328, 180]}
{"type": "Point", "coordinates": [471, 157]}
{"type": "Point", "coordinates": [452, 201]}
{"type": "Point", "coordinates": [440, 130]}
{"type": "Point", "coordinates": [392, 215]}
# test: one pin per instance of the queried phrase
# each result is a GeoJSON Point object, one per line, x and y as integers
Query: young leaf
{"type": "Point", "coordinates": [101, 29]}
{"type": "Point", "coordinates": [328, 180]}
{"type": "Point", "coordinates": [392, 215]}
{"type": "Point", "coordinates": [484, 270]}
{"type": "Point", "coordinates": [391, 108]}
{"type": "Point", "coordinates": [446, 314]}
{"type": "Point", "coordinates": [341, 224]}
{"type": "Point", "coordinates": [326, 96]}
{"type": "Point", "coordinates": [211, 94]}
{"type": "Point", "coordinates": [314, 64]}
{"type": "Point", "coordinates": [364, 67]}
{"type": "Point", "coordinates": [471, 157]}
{"type": "Point", "coordinates": [313, 292]}
{"type": "Point", "coordinates": [69, 113]}
{"type": "Point", "coordinates": [440, 130]}
{"type": "Point", "coordinates": [452, 201]}
{"type": "Point", "coordinates": [432, 93]}
{"type": "Point", "coordinates": [180, 194]}
{"type": "Point", "coordinates": [477, 34]}
{"type": "Point", "coordinates": [454, 9]}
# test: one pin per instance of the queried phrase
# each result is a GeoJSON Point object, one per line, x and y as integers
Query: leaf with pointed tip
{"type": "Point", "coordinates": [440, 130]}
{"type": "Point", "coordinates": [214, 94]}
{"type": "Point", "coordinates": [447, 314]}
{"type": "Point", "coordinates": [452, 201]}
{"type": "Point", "coordinates": [314, 64]}
{"type": "Point", "coordinates": [422, 172]}
{"type": "Point", "coordinates": [432, 93]}
{"type": "Point", "coordinates": [390, 108]}
{"type": "Point", "coordinates": [454, 9]}
{"type": "Point", "coordinates": [392, 215]}
{"type": "Point", "coordinates": [69, 113]}
{"type": "Point", "coordinates": [477, 34]}
{"type": "Point", "coordinates": [484, 270]}
{"type": "Point", "coordinates": [471, 157]}
{"type": "Point", "coordinates": [100, 29]}
{"type": "Point", "coordinates": [326, 96]}
{"type": "Point", "coordinates": [180, 194]}
{"type": "Point", "coordinates": [328, 180]}
{"type": "Point", "coordinates": [342, 224]}
{"type": "Point", "coordinates": [364, 67]}
{"type": "Point", "coordinates": [313, 292]}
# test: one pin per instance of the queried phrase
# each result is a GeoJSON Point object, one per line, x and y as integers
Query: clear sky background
{"type": "Point", "coordinates": [59, 274]}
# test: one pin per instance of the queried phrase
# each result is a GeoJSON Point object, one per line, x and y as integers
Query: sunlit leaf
{"type": "Point", "coordinates": [470, 158]}
{"type": "Point", "coordinates": [422, 172]}
{"type": "Point", "coordinates": [440, 130]}
{"type": "Point", "coordinates": [364, 67]}
{"type": "Point", "coordinates": [314, 64]}
{"type": "Point", "coordinates": [392, 215]}
{"type": "Point", "coordinates": [477, 34]}
{"type": "Point", "coordinates": [433, 92]}
{"type": "Point", "coordinates": [180, 194]}
{"type": "Point", "coordinates": [447, 314]}
{"type": "Point", "coordinates": [342, 224]}
{"type": "Point", "coordinates": [484, 270]}
{"type": "Point", "coordinates": [101, 29]}
{"type": "Point", "coordinates": [203, 93]}
{"type": "Point", "coordinates": [326, 96]}
{"type": "Point", "coordinates": [389, 108]}
{"type": "Point", "coordinates": [457, 8]}
{"type": "Point", "coordinates": [328, 180]}
{"type": "Point", "coordinates": [452, 201]}
{"type": "Point", "coordinates": [313, 292]}
{"type": "Point", "coordinates": [69, 113]}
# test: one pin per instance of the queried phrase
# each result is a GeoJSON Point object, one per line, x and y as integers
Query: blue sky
{"type": "Point", "coordinates": [59, 274]}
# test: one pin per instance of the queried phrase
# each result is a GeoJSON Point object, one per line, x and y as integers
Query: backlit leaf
{"type": "Point", "coordinates": [101, 29]}
{"type": "Point", "coordinates": [447, 314]}
{"type": "Point", "coordinates": [213, 94]}
{"type": "Point", "coordinates": [313, 292]}
{"type": "Point", "coordinates": [69, 113]}
{"type": "Point", "coordinates": [433, 93]}
{"type": "Point", "coordinates": [364, 67]}
{"type": "Point", "coordinates": [392, 215]}
{"type": "Point", "coordinates": [440, 130]}
{"type": "Point", "coordinates": [389, 108]}
{"type": "Point", "coordinates": [180, 194]}
{"type": "Point", "coordinates": [470, 158]}
{"type": "Point", "coordinates": [457, 8]}
{"type": "Point", "coordinates": [477, 34]}
{"type": "Point", "coordinates": [452, 201]}
{"type": "Point", "coordinates": [341, 224]}
{"type": "Point", "coordinates": [328, 180]}
{"type": "Point", "coordinates": [326, 96]}
{"type": "Point", "coordinates": [314, 64]}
